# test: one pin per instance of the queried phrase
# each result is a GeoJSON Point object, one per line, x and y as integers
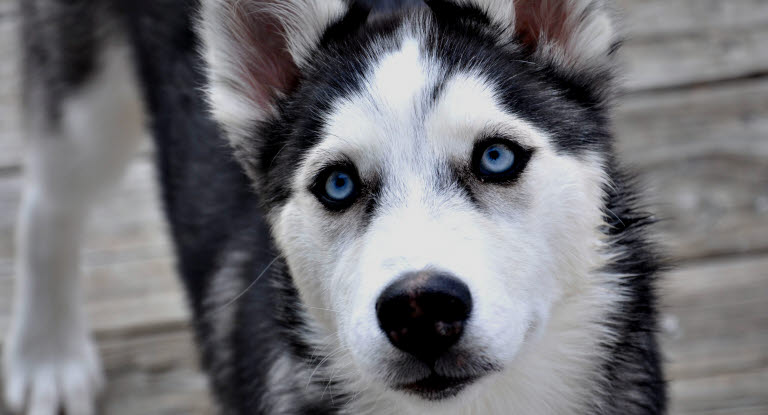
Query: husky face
{"type": "Point", "coordinates": [412, 165]}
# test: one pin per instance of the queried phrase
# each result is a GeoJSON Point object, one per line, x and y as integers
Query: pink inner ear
{"type": "Point", "coordinates": [537, 19]}
{"type": "Point", "coordinates": [265, 66]}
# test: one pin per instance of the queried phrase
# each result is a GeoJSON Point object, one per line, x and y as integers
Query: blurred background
{"type": "Point", "coordinates": [693, 123]}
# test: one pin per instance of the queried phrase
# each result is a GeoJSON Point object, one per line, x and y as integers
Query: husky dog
{"type": "Point", "coordinates": [420, 210]}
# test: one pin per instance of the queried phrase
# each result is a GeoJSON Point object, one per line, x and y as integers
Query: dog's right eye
{"type": "Point", "coordinates": [336, 187]}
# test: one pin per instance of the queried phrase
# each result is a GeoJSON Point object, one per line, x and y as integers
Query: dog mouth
{"type": "Point", "coordinates": [435, 387]}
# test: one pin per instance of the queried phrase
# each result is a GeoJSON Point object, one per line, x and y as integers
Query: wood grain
{"type": "Point", "coordinates": [716, 317]}
{"type": "Point", "coordinates": [669, 18]}
{"type": "Point", "coordinates": [717, 331]}
{"type": "Point", "coordinates": [732, 394]}
{"type": "Point", "coordinates": [671, 43]}
{"type": "Point", "coordinates": [711, 56]}
{"type": "Point", "coordinates": [703, 154]}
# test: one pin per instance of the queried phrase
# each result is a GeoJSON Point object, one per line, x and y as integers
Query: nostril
{"type": "Point", "coordinates": [424, 313]}
{"type": "Point", "coordinates": [449, 329]}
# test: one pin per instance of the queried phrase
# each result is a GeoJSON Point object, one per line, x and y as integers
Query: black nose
{"type": "Point", "coordinates": [424, 313]}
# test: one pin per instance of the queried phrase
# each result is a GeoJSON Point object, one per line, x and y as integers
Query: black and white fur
{"type": "Point", "coordinates": [282, 289]}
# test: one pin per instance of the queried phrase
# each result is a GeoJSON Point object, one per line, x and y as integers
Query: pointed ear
{"type": "Point", "coordinates": [254, 50]}
{"type": "Point", "coordinates": [578, 34]}
{"type": "Point", "coordinates": [571, 34]}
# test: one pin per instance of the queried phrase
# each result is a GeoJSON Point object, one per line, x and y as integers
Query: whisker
{"type": "Point", "coordinates": [335, 352]}
{"type": "Point", "coordinates": [321, 308]}
{"type": "Point", "coordinates": [242, 293]}
{"type": "Point", "coordinates": [328, 385]}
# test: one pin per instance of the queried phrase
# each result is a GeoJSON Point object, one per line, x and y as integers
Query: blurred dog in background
{"type": "Point", "coordinates": [423, 213]}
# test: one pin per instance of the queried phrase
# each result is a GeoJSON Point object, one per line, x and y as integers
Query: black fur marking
{"type": "Point", "coordinates": [390, 6]}
{"type": "Point", "coordinates": [357, 16]}
{"type": "Point", "coordinates": [633, 364]}
{"type": "Point", "coordinates": [349, 24]}
{"type": "Point", "coordinates": [170, 72]}
{"type": "Point", "coordinates": [448, 11]}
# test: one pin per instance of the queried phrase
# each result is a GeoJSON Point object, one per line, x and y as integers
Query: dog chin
{"type": "Point", "coordinates": [451, 376]}
{"type": "Point", "coordinates": [434, 396]}
{"type": "Point", "coordinates": [436, 388]}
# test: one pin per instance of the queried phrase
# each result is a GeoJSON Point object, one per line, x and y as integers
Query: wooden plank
{"type": "Point", "coordinates": [732, 280]}
{"type": "Point", "coordinates": [704, 157]}
{"type": "Point", "coordinates": [732, 394]}
{"type": "Point", "coordinates": [654, 63]}
{"type": "Point", "coordinates": [645, 17]}
{"type": "Point", "coordinates": [153, 373]}
{"type": "Point", "coordinates": [716, 318]}
{"type": "Point", "coordinates": [170, 392]}
{"type": "Point", "coordinates": [666, 18]}
{"type": "Point", "coordinates": [681, 42]}
{"type": "Point", "coordinates": [661, 127]}
{"type": "Point", "coordinates": [150, 351]}
{"type": "Point", "coordinates": [694, 359]}
{"type": "Point", "coordinates": [716, 355]}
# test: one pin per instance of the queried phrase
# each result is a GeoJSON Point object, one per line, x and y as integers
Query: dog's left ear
{"type": "Point", "coordinates": [254, 50]}
{"type": "Point", "coordinates": [573, 36]}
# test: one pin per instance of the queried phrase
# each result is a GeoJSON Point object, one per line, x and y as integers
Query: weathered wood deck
{"type": "Point", "coordinates": [694, 122]}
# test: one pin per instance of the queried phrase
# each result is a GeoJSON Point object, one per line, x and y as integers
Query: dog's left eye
{"type": "Point", "coordinates": [339, 186]}
{"type": "Point", "coordinates": [336, 187]}
{"type": "Point", "coordinates": [499, 160]}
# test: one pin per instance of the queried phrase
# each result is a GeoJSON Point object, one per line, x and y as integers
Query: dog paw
{"type": "Point", "coordinates": [43, 378]}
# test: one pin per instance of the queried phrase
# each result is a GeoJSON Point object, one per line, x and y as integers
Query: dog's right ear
{"type": "Point", "coordinates": [576, 38]}
{"type": "Point", "coordinates": [254, 50]}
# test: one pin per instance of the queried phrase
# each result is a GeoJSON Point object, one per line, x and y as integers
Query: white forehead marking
{"type": "Point", "coordinates": [399, 80]}
{"type": "Point", "coordinates": [383, 114]}
{"type": "Point", "coordinates": [386, 124]}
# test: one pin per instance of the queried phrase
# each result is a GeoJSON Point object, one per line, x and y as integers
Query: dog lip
{"type": "Point", "coordinates": [435, 387]}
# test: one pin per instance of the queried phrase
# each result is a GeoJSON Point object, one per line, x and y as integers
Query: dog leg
{"type": "Point", "coordinates": [50, 362]}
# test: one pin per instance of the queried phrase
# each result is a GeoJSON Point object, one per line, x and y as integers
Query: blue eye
{"type": "Point", "coordinates": [499, 160]}
{"type": "Point", "coordinates": [496, 159]}
{"type": "Point", "coordinates": [339, 186]}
